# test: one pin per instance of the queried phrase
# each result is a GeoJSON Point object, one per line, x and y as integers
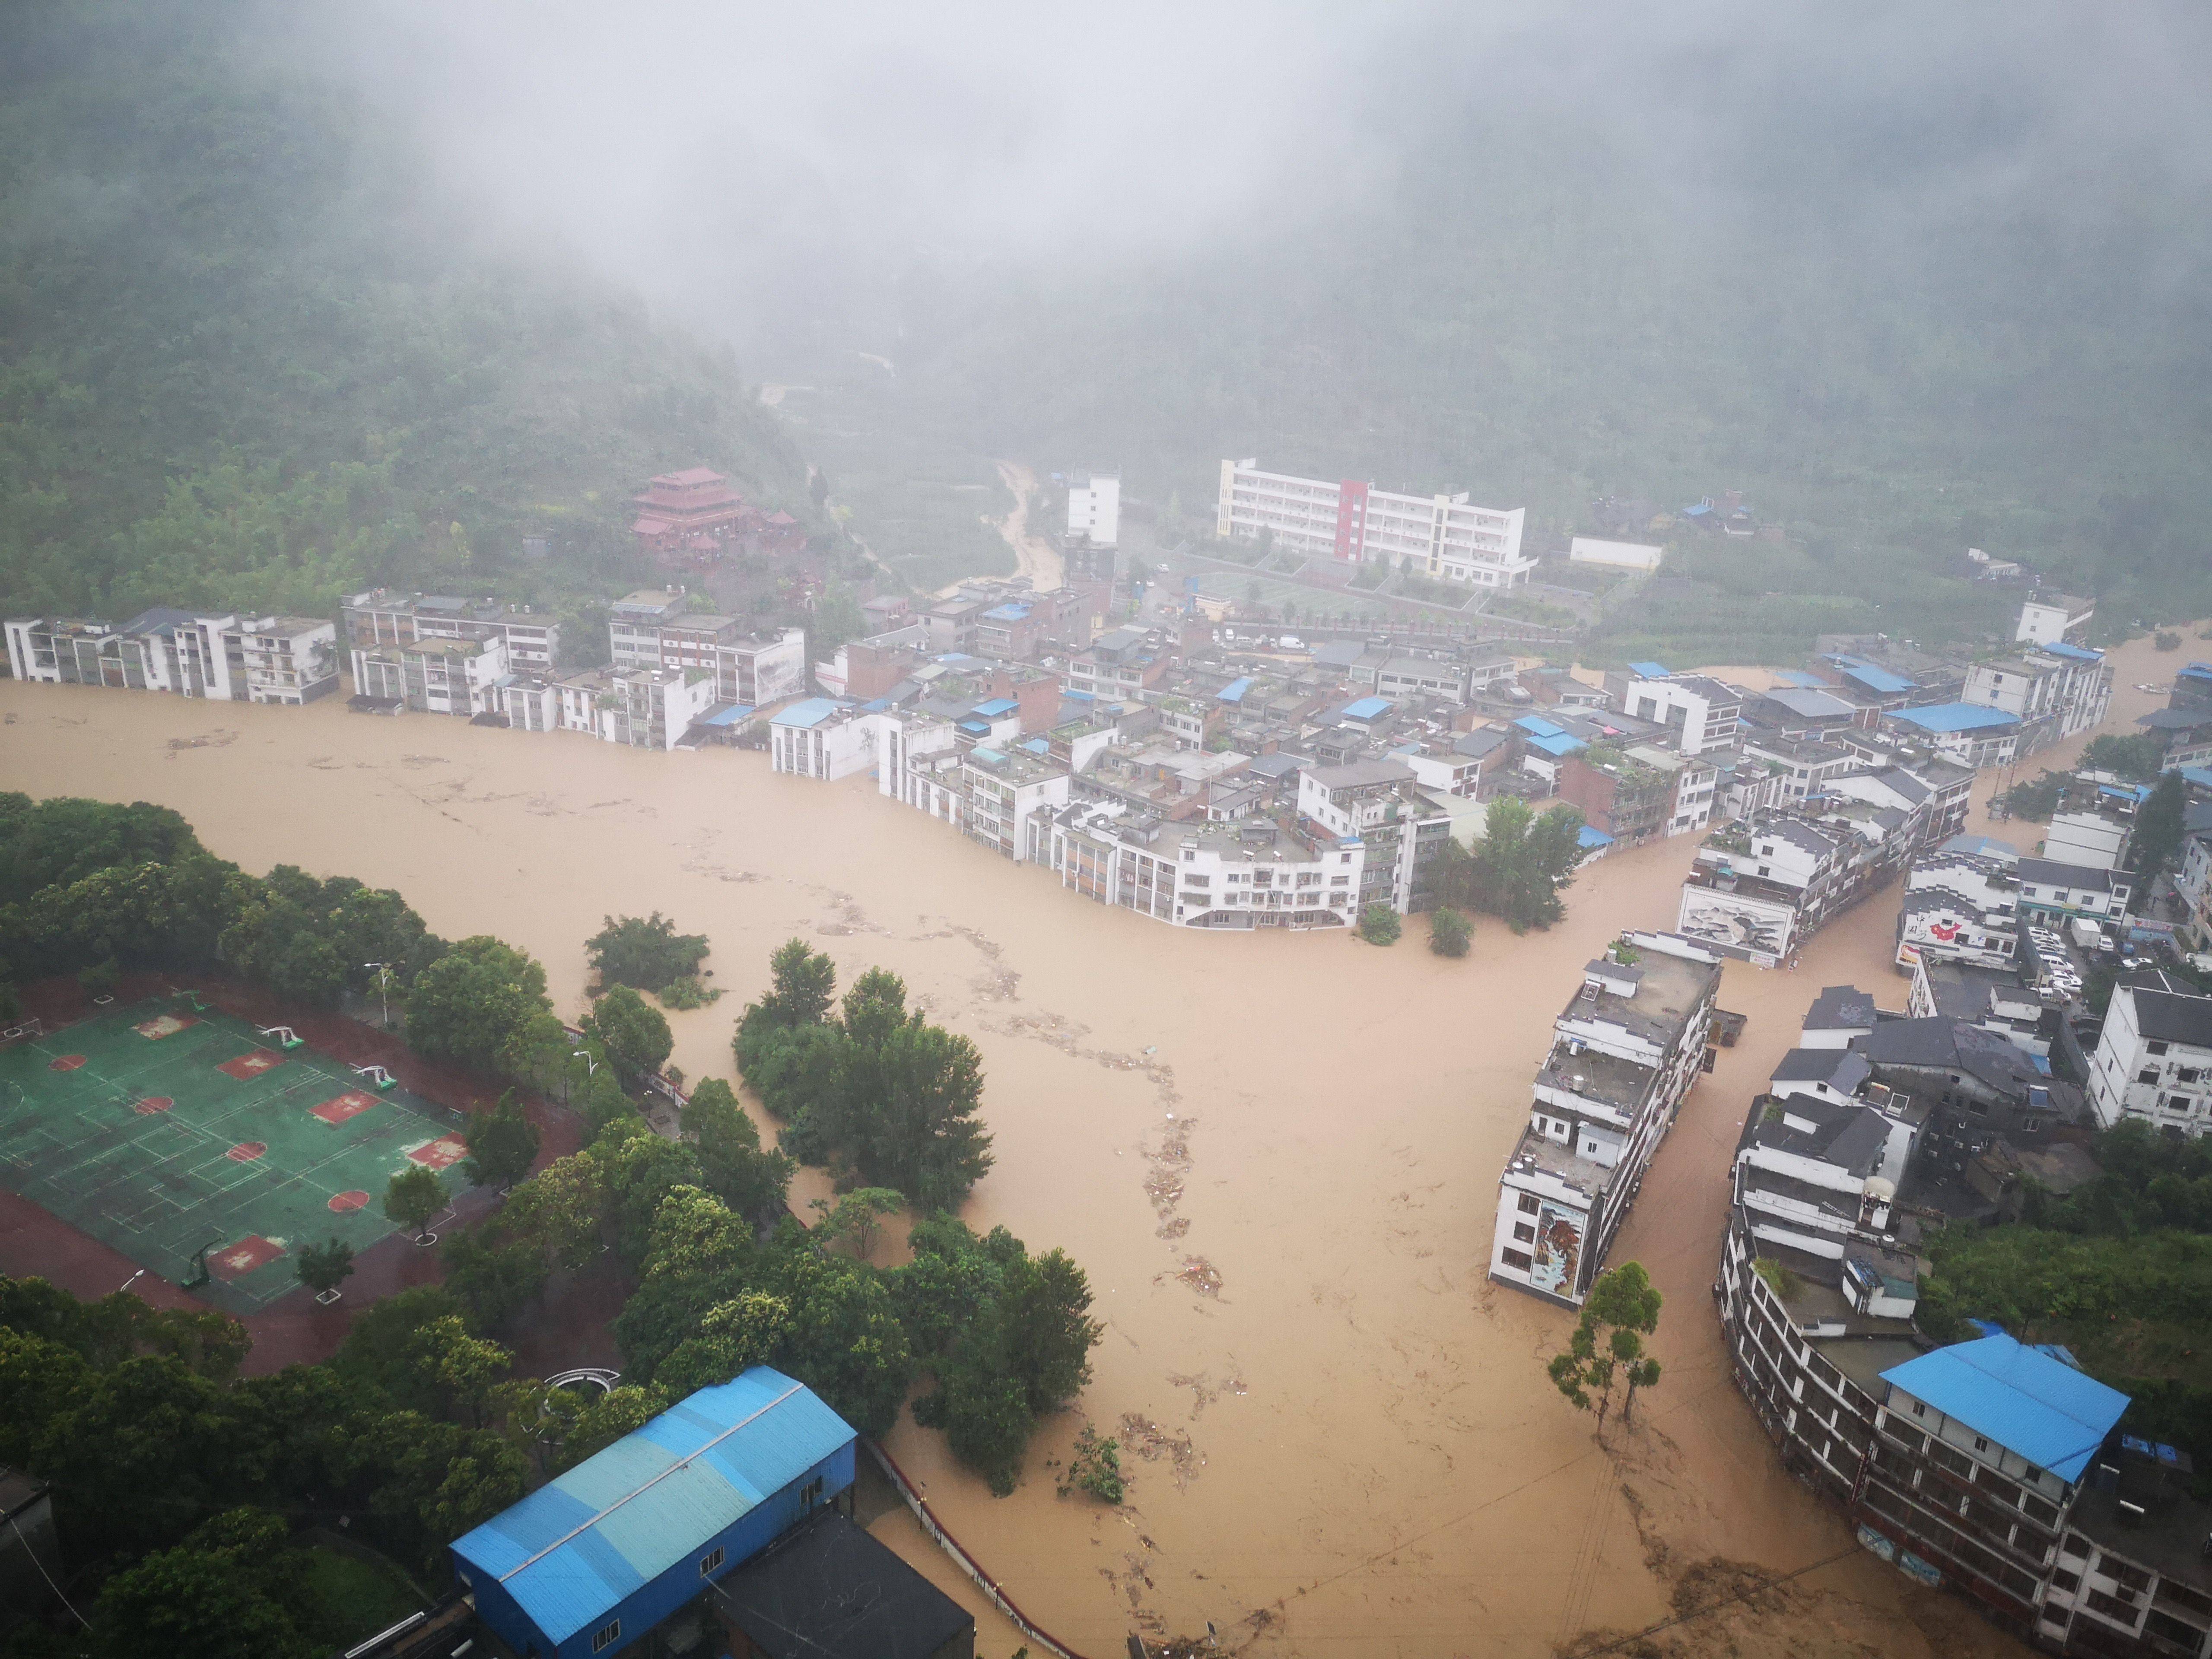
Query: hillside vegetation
{"type": "Point", "coordinates": [250, 357]}
{"type": "Point", "coordinates": [1900, 332]}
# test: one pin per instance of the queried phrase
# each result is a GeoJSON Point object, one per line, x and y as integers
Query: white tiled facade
{"type": "Point", "coordinates": [1446, 537]}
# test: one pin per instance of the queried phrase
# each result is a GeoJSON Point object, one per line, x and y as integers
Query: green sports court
{"type": "Point", "coordinates": [166, 1127]}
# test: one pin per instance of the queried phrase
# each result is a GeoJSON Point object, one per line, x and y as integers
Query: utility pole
{"type": "Point", "coordinates": [383, 986]}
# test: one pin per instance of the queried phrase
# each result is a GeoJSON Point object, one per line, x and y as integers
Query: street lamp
{"type": "Point", "coordinates": [383, 986]}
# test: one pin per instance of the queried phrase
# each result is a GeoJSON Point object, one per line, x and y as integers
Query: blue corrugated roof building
{"type": "Point", "coordinates": [2031, 1404]}
{"type": "Point", "coordinates": [1559, 745]}
{"type": "Point", "coordinates": [1884, 681]}
{"type": "Point", "coordinates": [1649, 670]}
{"type": "Point", "coordinates": [994, 708]}
{"type": "Point", "coordinates": [1234, 691]}
{"type": "Point", "coordinates": [591, 1561]}
{"type": "Point", "coordinates": [1367, 708]}
{"type": "Point", "coordinates": [1955, 717]}
{"type": "Point", "coordinates": [811, 712]}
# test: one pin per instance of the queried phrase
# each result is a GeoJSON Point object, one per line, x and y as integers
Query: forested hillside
{"type": "Point", "coordinates": [249, 358]}
{"type": "Point", "coordinates": [1901, 322]}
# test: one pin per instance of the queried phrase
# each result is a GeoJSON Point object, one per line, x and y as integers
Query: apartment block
{"type": "Point", "coordinates": [1094, 507]}
{"type": "Point", "coordinates": [1401, 828]}
{"type": "Point", "coordinates": [1702, 712]}
{"type": "Point", "coordinates": [226, 658]}
{"type": "Point", "coordinates": [824, 738]}
{"type": "Point", "coordinates": [2055, 691]}
{"type": "Point", "coordinates": [2153, 1058]}
{"type": "Point", "coordinates": [1444, 537]}
{"type": "Point", "coordinates": [1961, 904]}
{"type": "Point", "coordinates": [1625, 1052]}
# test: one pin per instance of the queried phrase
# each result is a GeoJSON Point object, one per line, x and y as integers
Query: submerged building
{"type": "Point", "coordinates": [1625, 1051]}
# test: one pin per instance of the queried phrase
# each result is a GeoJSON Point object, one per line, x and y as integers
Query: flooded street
{"type": "Point", "coordinates": [1276, 1155]}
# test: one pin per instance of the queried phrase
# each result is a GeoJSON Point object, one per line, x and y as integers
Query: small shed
{"type": "Point", "coordinates": [592, 1561]}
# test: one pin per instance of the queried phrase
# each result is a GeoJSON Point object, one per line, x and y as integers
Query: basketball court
{"type": "Point", "coordinates": [165, 1127]}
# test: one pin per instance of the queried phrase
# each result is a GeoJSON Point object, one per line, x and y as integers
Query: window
{"type": "Point", "coordinates": [2148, 1074]}
{"type": "Point", "coordinates": [710, 1561]}
{"type": "Point", "coordinates": [1515, 1259]}
{"type": "Point", "coordinates": [1980, 1444]}
{"type": "Point", "coordinates": [2155, 1047]}
{"type": "Point", "coordinates": [1527, 1204]}
{"type": "Point", "coordinates": [1919, 1410]}
{"type": "Point", "coordinates": [1523, 1233]}
{"type": "Point", "coordinates": [605, 1637]}
{"type": "Point", "coordinates": [810, 1493]}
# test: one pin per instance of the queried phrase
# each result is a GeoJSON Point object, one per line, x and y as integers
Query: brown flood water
{"type": "Point", "coordinates": [1275, 1155]}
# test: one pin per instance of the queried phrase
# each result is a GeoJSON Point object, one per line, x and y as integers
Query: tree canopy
{"type": "Point", "coordinates": [645, 953]}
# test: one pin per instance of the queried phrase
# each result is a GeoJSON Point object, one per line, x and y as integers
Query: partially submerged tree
{"type": "Point", "coordinates": [1608, 1345]}
{"type": "Point", "coordinates": [644, 953]}
{"type": "Point", "coordinates": [1450, 935]}
{"type": "Point", "coordinates": [635, 1031]}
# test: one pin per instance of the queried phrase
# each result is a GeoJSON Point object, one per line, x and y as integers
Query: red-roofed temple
{"type": "Point", "coordinates": [690, 510]}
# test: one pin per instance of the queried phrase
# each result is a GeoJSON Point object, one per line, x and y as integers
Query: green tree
{"type": "Point", "coordinates": [469, 1005]}
{"type": "Point", "coordinates": [1621, 1309]}
{"type": "Point", "coordinates": [921, 1134]}
{"type": "Point", "coordinates": [1095, 1467]}
{"type": "Point", "coordinates": [1448, 933]}
{"type": "Point", "coordinates": [495, 1274]}
{"type": "Point", "coordinates": [2139, 757]}
{"type": "Point", "coordinates": [324, 1268]}
{"type": "Point", "coordinates": [732, 1164]}
{"type": "Point", "coordinates": [2159, 830]}
{"type": "Point", "coordinates": [857, 1216]}
{"type": "Point", "coordinates": [1380, 925]}
{"type": "Point", "coordinates": [645, 953]}
{"type": "Point", "coordinates": [732, 1337]}
{"type": "Point", "coordinates": [220, 1595]}
{"type": "Point", "coordinates": [412, 1197]}
{"type": "Point", "coordinates": [502, 1145]}
{"type": "Point", "coordinates": [802, 985]}
{"type": "Point", "coordinates": [636, 1032]}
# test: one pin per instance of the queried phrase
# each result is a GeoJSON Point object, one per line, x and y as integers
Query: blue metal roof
{"type": "Point", "coordinates": [1367, 708]}
{"type": "Point", "coordinates": [2078, 653]}
{"type": "Point", "coordinates": [2023, 1398]}
{"type": "Point", "coordinates": [977, 728]}
{"type": "Point", "coordinates": [812, 711]}
{"type": "Point", "coordinates": [1037, 747]}
{"type": "Point", "coordinates": [2195, 671]}
{"type": "Point", "coordinates": [1537, 725]}
{"type": "Point", "coordinates": [1649, 670]}
{"type": "Point", "coordinates": [1871, 675]}
{"type": "Point", "coordinates": [1589, 839]}
{"type": "Point", "coordinates": [994, 708]}
{"type": "Point", "coordinates": [1234, 691]}
{"type": "Point", "coordinates": [571, 1552]}
{"type": "Point", "coordinates": [1558, 746]}
{"type": "Point", "coordinates": [1007, 613]}
{"type": "Point", "coordinates": [1800, 678]}
{"type": "Point", "coordinates": [1954, 717]}
{"type": "Point", "coordinates": [730, 716]}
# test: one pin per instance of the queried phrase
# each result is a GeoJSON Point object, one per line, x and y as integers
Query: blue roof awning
{"type": "Point", "coordinates": [996, 707]}
{"type": "Point", "coordinates": [1649, 670]}
{"type": "Point", "coordinates": [730, 716]}
{"type": "Point", "coordinates": [1587, 839]}
{"type": "Point", "coordinates": [1234, 691]}
{"type": "Point", "coordinates": [1955, 717]}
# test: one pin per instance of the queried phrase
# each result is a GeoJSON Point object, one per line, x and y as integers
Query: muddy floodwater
{"type": "Point", "coordinates": [1276, 1155]}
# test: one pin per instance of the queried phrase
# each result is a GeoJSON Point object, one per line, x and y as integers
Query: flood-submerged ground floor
{"type": "Point", "coordinates": [1275, 1154]}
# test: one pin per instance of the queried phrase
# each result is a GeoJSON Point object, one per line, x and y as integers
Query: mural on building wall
{"type": "Point", "coordinates": [1736, 921]}
{"type": "Point", "coordinates": [1558, 1250]}
{"type": "Point", "coordinates": [1960, 936]}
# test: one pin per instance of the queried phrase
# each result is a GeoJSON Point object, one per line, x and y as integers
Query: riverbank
{"type": "Point", "coordinates": [1276, 1155]}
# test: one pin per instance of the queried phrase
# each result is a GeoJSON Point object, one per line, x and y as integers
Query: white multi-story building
{"type": "Point", "coordinates": [1702, 711]}
{"type": "Point", "coordinates": [382, 617]}
{"type": "Point", "coordinates": [1094, 507]}
{"type": "Point", "coordinates": [226, 659]}
{"type": "Point", "coordinates": [1401, 828]}
{"type": "Point", "coordinates": [1009, 797]}
{"type": "Point", "coordinates": [1961, 904]}
{"type": "Point", "coordinates": [435, 675]}
{"type": "Point", "coordinates": [824, 738]}
{"type": "Point", "coordinates": [1251, 873]}
{"type": "Point", "coordinates": [652, 629]}
{"type": "Point", "coordinates": [2048, 617]}
{"type": "Point", "coordinates": [2154, 1060]}
{"type": "Point", "coordinates": [1625, 1051]}
{"type": "Point", "coordinates": [2094, 841]}
{"type": "Point", "coordinates": [1444, 537]}
{"type": "Point", "coordinates": [2055, 691]}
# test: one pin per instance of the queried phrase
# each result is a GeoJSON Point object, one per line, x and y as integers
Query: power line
{"type": "Point", "coordinates": [44, 1574]}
